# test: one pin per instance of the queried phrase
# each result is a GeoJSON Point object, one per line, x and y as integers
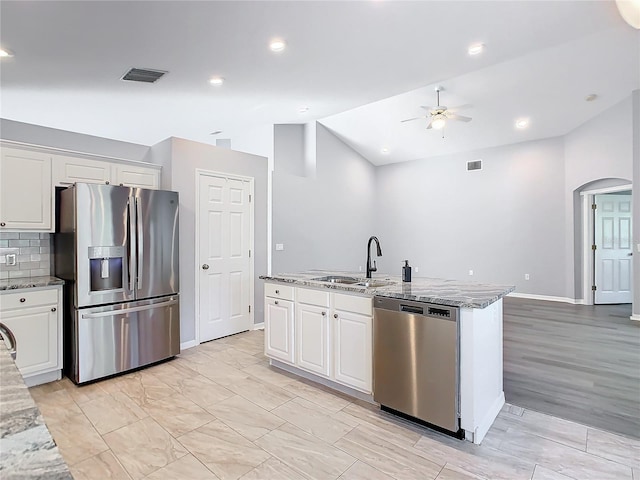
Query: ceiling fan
{"type": "Point", "coordinates": [439, 114]}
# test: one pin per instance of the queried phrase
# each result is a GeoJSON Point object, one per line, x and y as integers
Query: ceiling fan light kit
{"type": "Point", "coordinates": [439, 115]}
{"type": "Point", "coordinates": [630, 11]}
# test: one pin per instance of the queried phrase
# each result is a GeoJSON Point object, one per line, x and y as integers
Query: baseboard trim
{"type": "Point", "coordinates": [549, 298]}
{"type": "Point", "coordinates": [258, 326]}
{"type": "Point", "coordinates": [187, 345]}
{"type": "Point", "coordinates": [485, 424]}
{"type": "Point", "coordinates": [635, 317]}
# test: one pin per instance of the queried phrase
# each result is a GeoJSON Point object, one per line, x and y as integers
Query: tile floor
{"type": "Point", "coordinates": [218, 411]}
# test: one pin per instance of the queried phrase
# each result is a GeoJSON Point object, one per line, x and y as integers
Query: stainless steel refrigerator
{"type": "Point", "coordinates": [117, 248]}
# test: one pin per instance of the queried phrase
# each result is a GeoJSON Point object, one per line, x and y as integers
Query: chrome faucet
{"type": "Point", "coordinates": [8, 334]}
{"type": "Point", "coordinates": [379, 252]}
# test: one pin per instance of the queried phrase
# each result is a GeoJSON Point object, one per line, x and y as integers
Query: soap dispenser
{"type": "Point", "coordinates": [406, 272]}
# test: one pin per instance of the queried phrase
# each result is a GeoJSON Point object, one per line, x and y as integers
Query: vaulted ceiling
{"type": "Point", "coordinates": [360, 67]}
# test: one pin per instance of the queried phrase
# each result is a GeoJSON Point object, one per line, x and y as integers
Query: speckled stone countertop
{"type": "Point", "coordinates": [27, 450]}
{"type": "Point", "coordinates": [29, 282]}
{"type": "Point", "coordinates": [430, 290]}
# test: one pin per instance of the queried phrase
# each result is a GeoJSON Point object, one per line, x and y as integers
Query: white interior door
{"type": "Point", "coordinates": [613, 255]}
{"type": "Point", "coordinates": [225, 226]}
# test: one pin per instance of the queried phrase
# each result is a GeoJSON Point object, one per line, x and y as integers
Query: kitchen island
{"type": "Point", "coordinates": [320, 328]}
{"type": "Point", "coordinates": [26, 447]}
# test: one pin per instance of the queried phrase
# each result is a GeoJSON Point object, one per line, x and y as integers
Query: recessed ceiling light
{"type": "Point", "coordinates": [303, 109]}
{"type": "Point", "coordinates": [591, 97]}
{"type": "Point", "coordinates": [476, 48]}
{"type": "Point", "coordinates": [384, 150]}
{"type": "Point", "coordinates": [522, 123]}
{"type": "Point", "coordinates": [277, 45]}
{"type": "Point", "coordinates": [4, 53]}
{"type": "Point", "coordinates": [216, 80]}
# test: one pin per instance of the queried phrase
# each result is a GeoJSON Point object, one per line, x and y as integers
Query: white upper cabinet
{"type": "Point", "coordinates": [135, 176]}
{"type": "Point", "coordinates": [70, 170]}
{"type": "Point", "coordinates": [26, 191]}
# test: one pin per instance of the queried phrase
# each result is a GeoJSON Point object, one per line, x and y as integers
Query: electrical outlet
{"type": "Point", "coordinates": [279, 246]}
{"type": "Point", "coordinates": [415, 269]}
{"type": "Point", "coordinates": [11, 259]}
{"type": "Point", "coordinates": [470, 272]}
{"type": "Point", "coordinates": [526, 276]}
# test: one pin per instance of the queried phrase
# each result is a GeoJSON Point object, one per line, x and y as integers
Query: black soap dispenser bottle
{"type": "Point", "coordinates": [406, 272]}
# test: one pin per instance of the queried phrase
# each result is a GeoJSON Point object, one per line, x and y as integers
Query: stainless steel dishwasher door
{"type": "Point", "coordinates": [415, 360]}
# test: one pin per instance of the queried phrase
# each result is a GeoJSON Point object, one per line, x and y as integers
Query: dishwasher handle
{"type": "Point", "coordinates": [412, 309]}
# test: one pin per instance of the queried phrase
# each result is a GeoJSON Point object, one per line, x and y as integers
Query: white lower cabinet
{"type": "Point", "coordinates": [333, 334]}
{"type": "Point", "coordinates": [35, 318]}
{"type": "Point", "coordinates": [278, 324]}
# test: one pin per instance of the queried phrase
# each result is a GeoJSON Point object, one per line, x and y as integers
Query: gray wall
{"type": "Point", "coordinates": [186, 157]}
{"type": "Point", "coordinates": [52, 137]}
{"type": "Point", "coordinates": [636, 202]}
{"type": "Point", "coordinates": [501, 222]}
{"type": "Point", "coordinates": [325, 219]}
{"type": "Point", "coordinates": [161, 154]}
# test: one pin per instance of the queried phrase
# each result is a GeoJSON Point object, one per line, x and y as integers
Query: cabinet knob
{"type": "Point", "coordinates": [205, 267]}
{"type": "Point", "coordinates": [22, 300]}
{"type": "Point", "coordinates": [277, 292]}
{"type": "Point", "coordinates": [335, 315]}
{"type": "Point", "coordinates": [2, 224]}
{"type": "Point", "coordinates": [122, 184]}
{"type": "Point", "coordinates": [107, 182]}
{"type": "Point", "coordinates": [276, 302]}
{"type": "Point", "coordinates": [54, 309]}
{"type": "Point", "coordinates": [324, 314]}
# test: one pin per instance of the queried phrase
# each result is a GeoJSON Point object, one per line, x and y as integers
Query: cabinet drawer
{"type": "Point", "coordinates": [277, 290]}
{"type": "Point", "coordinates": [353, 303]}
{"type": "Point", "coordinates": [28, 299]}
{"type": "Point", "coordinates": [313, 297]}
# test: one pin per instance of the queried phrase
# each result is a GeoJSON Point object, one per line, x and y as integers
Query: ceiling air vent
{"type": "Point", "coordinates": [474, 165]}
{"type": "Point", "coordinates": [143, 75]}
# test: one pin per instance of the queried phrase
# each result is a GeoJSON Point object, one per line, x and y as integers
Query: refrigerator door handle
{"type": "Point", "coordinates": [132, 251]}
{"type": "Point", "coordinates": [139, 242]}
{"type": "Point", "coordinates": [112, 313]}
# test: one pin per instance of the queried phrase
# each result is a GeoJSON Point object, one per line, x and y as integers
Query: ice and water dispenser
{"type": "Point", "coordinates": [105, 264]}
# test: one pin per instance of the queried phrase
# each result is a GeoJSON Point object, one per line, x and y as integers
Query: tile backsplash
{"type": "Point", "coordinates": [33, 252]}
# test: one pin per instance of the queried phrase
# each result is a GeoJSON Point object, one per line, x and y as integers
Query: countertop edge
{"type": "Point", "coordinates": [29, 282]}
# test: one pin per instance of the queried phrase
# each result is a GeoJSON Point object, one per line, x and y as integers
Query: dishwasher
{"type": "Point", "coordinates": [416, 353]}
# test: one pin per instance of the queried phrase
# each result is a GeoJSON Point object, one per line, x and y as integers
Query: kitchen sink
{"type": "Point", "coordinates": [337, 279]}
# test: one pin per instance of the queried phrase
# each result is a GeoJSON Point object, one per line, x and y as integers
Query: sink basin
{"type": "Point", "coordinates": [374, 283]}
{"type": "Point", "coordinates": [337, 279]}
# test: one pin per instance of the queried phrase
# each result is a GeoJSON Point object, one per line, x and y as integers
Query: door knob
{"type": "Point", "coordinates": [205, 266]}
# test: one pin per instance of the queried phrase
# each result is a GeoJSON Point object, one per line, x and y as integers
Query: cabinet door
{"type": "Point", "coordinates": [278, 329]}
{"type": "Point", "coordinates": [69, 170]}
{"type": "Point", "coordinates": [135, 176]}
{"type": "Point", "coordinates": [36, 332]}
{"type": "Point", "coordinates": [312, 338]}
{"type": "Point", "coordinates": [352, 349]}
{"type": "Point", "coordinates": [25, 190]}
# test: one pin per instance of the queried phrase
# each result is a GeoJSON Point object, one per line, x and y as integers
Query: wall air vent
{"type": "Point", "coordinates": [143, 75]}
{"type": "Point", "coordinates": [474, 165]}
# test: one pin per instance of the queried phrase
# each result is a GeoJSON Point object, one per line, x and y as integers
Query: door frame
{"type": "Point", "coordinates": [211, 173]}
{"type": "Point", "coordinates": [588, 267]}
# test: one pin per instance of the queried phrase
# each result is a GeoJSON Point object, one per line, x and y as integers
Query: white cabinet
{"type": "Point", "coordinates": [70, 170]}
{"type": "Point", "coordinates": [333, 334]}
{"type": "Point", "coordinates": [25, 191]}
{"type": "Point", "coordinates": [34, 316]}
{"type": "Point", "coordinates": [278, 323]}
{"type": "Point", "coordinates": [135, 176]}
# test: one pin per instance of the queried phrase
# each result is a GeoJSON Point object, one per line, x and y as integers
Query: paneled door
{"type": "Point", "coordinates": [225, 240]}
{"type": "Point", "coordinates": [613, 254]}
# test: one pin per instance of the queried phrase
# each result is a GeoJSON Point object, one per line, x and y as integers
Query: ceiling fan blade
{"type": "Point", "coordinates": [429, 125]}
{"type": "Point", "coordinates": [461, 107]}
{"type": "Point", "coordinates": [411, 119]}
{"type": "Point", "coordinates": [461, 118]}
{"type": "Point", "coordinates": [429, 108]}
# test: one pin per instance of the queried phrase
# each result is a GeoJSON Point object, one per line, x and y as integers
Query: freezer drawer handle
{"type": "Point", "coordinates": [113, 313]}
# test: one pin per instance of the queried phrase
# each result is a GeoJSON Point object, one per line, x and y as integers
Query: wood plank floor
{"type": "Point", "coordinates": [577, 362]}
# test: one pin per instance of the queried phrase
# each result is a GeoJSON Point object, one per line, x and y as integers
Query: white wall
{"type": "Point", "coordinates": [186, 157]}
{"type": "Point", "coordinates": [325, 219]}
{"type": "Point", "coordinates": [52, 137]}
{"type": "Point", "coordinates": [501, 222]}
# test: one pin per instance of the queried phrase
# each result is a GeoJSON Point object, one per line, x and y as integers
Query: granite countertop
{"type": "Point", "coordinates": [29, 282]}
{"type": "Point", "coordinates": [430, 290]}
{"type": "Point", "coordinates": [27, 450]}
